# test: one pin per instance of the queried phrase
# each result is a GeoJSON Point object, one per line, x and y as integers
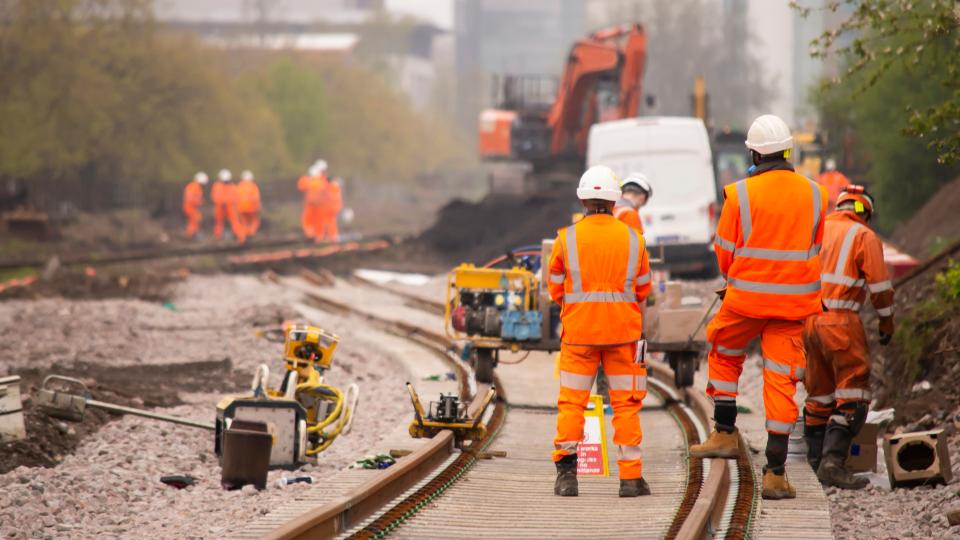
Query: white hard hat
{"type": "Point", "coordinates": [831, 164]}
{"type": "Point", "coordinates": [321, 164]}
{"type": "Point", "coordinates": [313, 170]}
{"type": "Point", "coordinates": [769, 134]}
{"type": "Point", "coordinates": [201, 177]}
{"type": "Point", "coordinates": [246, 175]}
{"type": "Point", "coordinates": [225, 175]}
{"type": "Point", "coordinates": [599, 182]}
{"type": "Point", "coordinates": [640, 180]}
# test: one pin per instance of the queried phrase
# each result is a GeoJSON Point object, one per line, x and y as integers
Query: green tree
{"type": "Point", "coordinates": [882, 37]}
{"type": "Point", "coordinates": [296, 96]}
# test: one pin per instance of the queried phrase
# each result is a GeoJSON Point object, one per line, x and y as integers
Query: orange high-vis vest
{"type": "Point", "coordinates": [852, 261]}
{"type": "Point", "coordinates": [248, 196]}
{"type": "Point", "coordinates": [223, 193]}
{"type": "Point", "coordinates": [193, 195]}
{"type": "Point", "coordinates": [599, 273]}
{"type": "Point", "coordinates": [334, 202]}
{"type": "Point", "coordinates": [625, 212]}
{"type": "Point", "coordinates": [768, 244]}
{"type": "Point", "coordinates": [314, 189]}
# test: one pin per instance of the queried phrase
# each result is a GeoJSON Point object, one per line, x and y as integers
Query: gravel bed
{"type": "Point", "coordinates": [110, 488]}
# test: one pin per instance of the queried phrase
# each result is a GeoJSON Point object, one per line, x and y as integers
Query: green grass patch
{"type": "Point", "coordinates": [919, 328]}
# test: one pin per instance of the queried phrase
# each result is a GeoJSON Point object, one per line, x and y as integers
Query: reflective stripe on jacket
{"type": "Point", "coordinates": [599, 274]}
{"type": "Point", "coordinates": [768, 242]}
{"type": "Point", "coordinates": [852, 261]}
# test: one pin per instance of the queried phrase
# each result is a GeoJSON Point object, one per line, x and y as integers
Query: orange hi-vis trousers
{"type": "Point", "coordinates": [784, 362]}
{"type": "Point", "coordinates": [223, 213]}
{"type": "Point", "coordinates": [194, 218]}
{"type": "Point", "coordinates": [312, 220]}
{"type": "Point", "coordinates": [838, 364]}
{"type": "Point", "coordinates": [628, 387]}
{"type": "Point", "coordinates": [250, 222]}
{"type": "Point", "coordinates": [328, 228]}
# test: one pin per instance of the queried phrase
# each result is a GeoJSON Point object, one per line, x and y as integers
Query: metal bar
{"type": "Point", "coordinates": [155, 416]}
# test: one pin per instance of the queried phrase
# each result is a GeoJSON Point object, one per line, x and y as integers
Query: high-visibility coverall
{"type": "Point", "coordinates": [599, 274]}
{"type": "Point", "coordinates": [192, 201]}
{"type": "Point", "coordinates": [838, 360]}
{"type": "Point", "coordinates": [333, 204]}
{"type": "Point", "coordinates": [224, 197]}
{"type": "Point", "coordinates": [834, 181]}
{"type": "Point", "coordinates": [768, 243]}
{"type": "Point", "coordinates": [248, 206]}
{"type": "Point", "coordinates": [314, 189]}
{"type": "Point", "coordinates": [626, 212]}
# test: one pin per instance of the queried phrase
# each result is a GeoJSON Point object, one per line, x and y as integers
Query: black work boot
{"type": "Point", "coordinates": [813, 435]}
{"type": "Point", "coordinates": [634, 488]}
{"type": "Point", "coordinates": [566, 484]}
{"type": "Point", "coordinates": [832, 470]}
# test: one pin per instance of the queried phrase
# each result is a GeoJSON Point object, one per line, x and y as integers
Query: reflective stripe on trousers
{"type": "Point", "coordinates": [628, 382]}
{"type": "Point", "coordinates": [784, 369]}
{"type": "Point", "coordinates": [570, 447]}
{"type": "Point", "coordinates": [853, 393]}
{"type": "Point", "coordinates": [627, 453]}
{"type": "Point", "coordinates": [724, 386]}
{"type": "Point", "coordinates": [825, 399]}
{"type": "Point", "coordinates": [576, 381]}
{"type": "Point", "coordinates": [780, 427]}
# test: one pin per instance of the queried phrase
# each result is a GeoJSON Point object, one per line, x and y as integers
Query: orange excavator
{"type": "Point", "coordinates": [601, 81]}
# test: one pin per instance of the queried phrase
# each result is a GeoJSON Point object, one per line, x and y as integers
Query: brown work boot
{"type": "Point", "coordinates": [720, 444]}
{"type": "Point", "coordinates": [566, 483]}
{"type": "Point", "coordinates": [777, 486]}
{"type": "Point", "coordinates": [634, 488]}
{"type": "Point", "coordinates": [833, 473]}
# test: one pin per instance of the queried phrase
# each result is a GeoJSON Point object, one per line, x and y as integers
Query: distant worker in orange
{"type": "Point", "coordinates": [838, 359]}
{"type": "Point", "coordinates": [636, 193]}
{"type": "Point", "coordinates": [768, 244]}
{"type": "Point", "coordinates": [224, 197]}
{"type": "Point", "coordinates": [332, 205]}
{"type": "Point", "coordinates": [833, 180]}
{"type": "Point", "coordinates": [192, 201]}
{"type": "Point", "coordinates": [314, 189]}
{"type": "Point", "coordinates": [248, 204]}
{"type": "Point", "coordinates": [600, 275]}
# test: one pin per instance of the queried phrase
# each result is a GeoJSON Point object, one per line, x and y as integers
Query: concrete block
{"type": "Point", "coordinates": [11, 410]}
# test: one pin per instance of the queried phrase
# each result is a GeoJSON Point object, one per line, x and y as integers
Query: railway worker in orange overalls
{"type": "Point", "coordinates": [224, 197]}
{"type": "Point", "coordinates": [332, 205]}
{"type": "Point", "coordinates": [768, 243]}
{"type": "Point", "coordinates": [636, 193]}
{"type": "Point", "coordinates": [600, 275]}
{"type": "Point", "coordinates": [314, 189]}
{"type": "Point", "coordinates": [248, 204]}
{"type": "Point", "coordinates": [192, 201]}
{"type": "Point", "coordinates": [838, 360]}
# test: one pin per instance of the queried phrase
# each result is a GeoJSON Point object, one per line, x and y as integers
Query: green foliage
{"type": "Point", "coordinates": [919, 328]}
{"type": "Point", "coordinates": [921, 38]}
{"type": "Point", "coordinates": [297, 98]}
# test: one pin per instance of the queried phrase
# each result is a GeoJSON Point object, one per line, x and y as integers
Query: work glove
{"type": "Point", "coordinates": [721, 293]}
{"type": "Point", "coordinates": [886, 328]}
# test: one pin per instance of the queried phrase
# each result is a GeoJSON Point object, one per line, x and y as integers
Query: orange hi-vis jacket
{"type": "Point", "coordinates": [193, 195]}
{"type": "Point", "coordinates": [834, 181]}
{"type": "Point", "coordinates": [768, 243]}
{"type": "Point", "coordinates": [224, 193]}
{"type": "Point", "coordinates": [314, 189]}
{"type": "Point", "coordinates": [248, 196]}
{"type": "Point", "coordinates": [627, 213]}
{"type": "Point", "coordinates": [599, 273]}
{"type": "Point", "coordinates": [334, 195]}
{"type": "Point", "coordinates": [852, 259]}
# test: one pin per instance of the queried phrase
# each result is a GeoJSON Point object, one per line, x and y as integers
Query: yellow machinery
{"type": "Point", "coordinates": [448, 413]}
{"type": "Point", "coordinates": [304, 415]}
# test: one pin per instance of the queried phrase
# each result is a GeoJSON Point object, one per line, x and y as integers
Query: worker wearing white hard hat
{"type": "Point", "coordinates": [248, 204]}
{"type": "Point", "coordinates": [636, 192]}
{"type": "Point", "coordinates": [314, 188]}
{"type": "Point", "coordinates": [224, 197]}
{"type": "Point", "coordinates": [192, 201]}
{"type": "Point", "coordinates": [599, 273]}
{"type": "Point", "coordinates": [767, 244]}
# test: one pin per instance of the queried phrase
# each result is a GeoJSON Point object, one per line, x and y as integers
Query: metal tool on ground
{"type": "Point", "coordinates": [71, 406]}
{"type": "Point", "coordinates": [448, 413]}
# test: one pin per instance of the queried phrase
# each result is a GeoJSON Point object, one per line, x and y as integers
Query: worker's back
{"type": "Point", "coordinates": [223, 193]}
{"type": "Point", "coordinates": [852, 261]}
{"type": "Point", "coordinates": [602, 276]}
{"type": "Point", "coordinates": [770, 232]}
{"type": "Point", "coordinates": [248, 196]}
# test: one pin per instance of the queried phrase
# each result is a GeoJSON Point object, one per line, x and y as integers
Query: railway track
{"type": "Point", "coordinates": [438, 491]}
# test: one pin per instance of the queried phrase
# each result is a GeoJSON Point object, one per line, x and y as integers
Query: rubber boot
{"type": "Point", "coordinates": [776, 485]}
{"type": "Point", "coordinates": [634, 488]}
{"type": "Point", "coordinates": [813, 435]}
{"type": "Point", "coordinates": [566, 484]}
{"type": "Point", "coordinates": [832, 470]}
{"type": "Point", "coordinates": [720, 444]}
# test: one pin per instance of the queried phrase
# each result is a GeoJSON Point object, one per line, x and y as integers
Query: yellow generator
{"type": "Point", "coordinates": [502, 305]}
{"type": "Point", "coordinates": [303, 415]}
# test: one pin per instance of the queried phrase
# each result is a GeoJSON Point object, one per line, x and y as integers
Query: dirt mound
{"type": "Point", "coordinates": [934, 226]}
{"type": "Point", "coordinates": [51, 439]}
{"type": "Point", "coordinates": [477, 232]}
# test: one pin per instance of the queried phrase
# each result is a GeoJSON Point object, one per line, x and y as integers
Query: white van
{"type": "Point", "coordinates": [674, 153]}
